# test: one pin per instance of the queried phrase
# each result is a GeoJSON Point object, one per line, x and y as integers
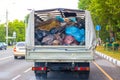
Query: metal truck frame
{"type": "Point", "coordinates": [75, 58]}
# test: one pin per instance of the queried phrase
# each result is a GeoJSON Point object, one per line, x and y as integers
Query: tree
{"type": "Point", "coordinates": [2, 33]}
{"type": "Point", "coordinates": [105, 13]}
{"type": "Point", "coordinates": [19, 28]}
{"type": "Point", "coordinates": [83, 4]}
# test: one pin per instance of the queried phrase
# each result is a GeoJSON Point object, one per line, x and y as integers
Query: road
{"type": "Point", "coordinates": [11, 69]}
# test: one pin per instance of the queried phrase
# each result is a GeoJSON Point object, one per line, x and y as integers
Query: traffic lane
{"type": "Point", "coordinates": [9, 68]}
{"type": "Point", "coordinates": [51, 76]}
{"type": "Point", "coordinates": [5, 53]}
{"type": "Point", "coordinates": [110, 68]}
{"type": "Point", "coordinates": [101, 69]}
{"type": "Point", "coordinates": [95, 74]}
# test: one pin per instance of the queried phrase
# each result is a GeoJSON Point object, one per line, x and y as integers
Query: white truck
{"type": "Point", "coordinates": [75, 58]}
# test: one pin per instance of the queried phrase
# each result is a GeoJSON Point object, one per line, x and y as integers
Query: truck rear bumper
{"type": "Point", "coordinates": [66, 66]}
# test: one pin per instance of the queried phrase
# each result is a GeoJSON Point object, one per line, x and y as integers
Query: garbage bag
{"type": "Point", "coordinates": [79, 35]}
{"type": "Point", "coordinates": [56, 42]}
{"type": "Point", "coordinates": [80, 22]}
{"type": "Point", "coordinates": [75, 32]}
{"type": "Point", "coordinates": [53, 30]}
{"type": "Point", "coordinates": [71, 30]}
{"type": "Point", "coordinates": [47, 40]}
{"type": "Point", "coordinates": [68, 40]}
{"type": "Point", "coordinates": [59, 18]}
{"type": "Point", "coordinates": [82, 31]}
{"type": "Point", "coordinates": [45, 33]}
{"type": "Point", "coordinates": [39, 34]}
{"type": "Point", "coordinates": [58, 37]}
{"type": "Point", "coordinates": [75, 42]}
{"type": "Point", "coordinates": [37, 42]}
{"type": "Point", "coordinates": [82, 42]}
{"type": "Point", "coordinates": [57, 30]}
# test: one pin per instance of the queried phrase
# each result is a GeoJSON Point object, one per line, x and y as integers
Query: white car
{"type": "Point", "coordinates": [19, 50]}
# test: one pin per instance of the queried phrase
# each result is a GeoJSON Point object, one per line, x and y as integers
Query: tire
{"type": "Point", "coordinates": [41, 76]}
{"type": "Point", "coordinates": [15, 57]}
{"type": "Point", "coordinates": [84, 75]}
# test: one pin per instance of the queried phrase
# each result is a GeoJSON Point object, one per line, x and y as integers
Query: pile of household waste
{"type": "Point", "coordinates": [60, 31]}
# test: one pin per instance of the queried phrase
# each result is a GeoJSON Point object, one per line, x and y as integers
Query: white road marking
{"type": "Point", "coordinates": [16, 77]}
{"type": "Point", "coordinates": [6, 58]}
{"type": "Point", "coordinates": [27, 70]}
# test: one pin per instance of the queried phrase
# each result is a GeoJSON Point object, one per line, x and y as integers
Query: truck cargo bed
{"type": "Point", "coordinates": [59, 54]}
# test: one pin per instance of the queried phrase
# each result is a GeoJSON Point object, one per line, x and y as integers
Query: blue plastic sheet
{"type": "Point", "coordinates": [59, 18]}
{"type": "Point", "coordinates": [78, 34]}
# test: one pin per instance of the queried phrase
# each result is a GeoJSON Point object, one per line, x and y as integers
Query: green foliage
{"type": "Point", "coordinates": [14, 26]}
{"type": "Point", "coordinates": [105, 13]}
{"type": "Point", "coordinates": [83, 4]}
{"type": "Point", "coordinates": [2, 33]}
{"type": "Point", "coordinates": [111, 53]}
{"type": "Point", "coordinates": [19, 28]}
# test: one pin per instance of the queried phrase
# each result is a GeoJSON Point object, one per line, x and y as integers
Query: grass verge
{"type": "Point", "coordinates": [111, 53]}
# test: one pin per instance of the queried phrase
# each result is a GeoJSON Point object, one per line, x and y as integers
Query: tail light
{"type": "Point", "coordinates": [81, 68]}
{"type": "Point", "coordinates": [39, 68]}
{"type": "Point", "coordinates": [14, 49]}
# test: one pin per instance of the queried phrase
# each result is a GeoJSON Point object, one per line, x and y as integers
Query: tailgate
{"type": "Point", "coordinates": [59, 54]}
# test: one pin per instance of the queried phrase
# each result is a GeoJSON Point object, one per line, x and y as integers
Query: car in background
{"type": "Point", "coordinates": [3, 46]}
{"type": "Point", "coordinates": [19, 50]}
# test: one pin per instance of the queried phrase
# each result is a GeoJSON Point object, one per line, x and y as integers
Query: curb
{"type": "Point", "coordinates": [114, 61]}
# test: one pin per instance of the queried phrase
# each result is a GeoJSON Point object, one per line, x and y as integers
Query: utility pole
{"type": "Point", "coordinates": [6, 26]}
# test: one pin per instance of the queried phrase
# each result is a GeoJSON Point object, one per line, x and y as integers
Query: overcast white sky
{"type": "Point", "coordinates": [17, 9]}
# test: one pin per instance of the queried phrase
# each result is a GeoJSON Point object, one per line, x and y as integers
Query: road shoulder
{"type": "Point", "coordinates": [114, 61]}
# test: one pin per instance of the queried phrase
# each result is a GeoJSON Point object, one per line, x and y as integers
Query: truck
{"type": "Point", "coordinates": [70, 53]}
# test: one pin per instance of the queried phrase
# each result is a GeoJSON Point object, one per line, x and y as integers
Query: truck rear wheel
{"type": "Point", "coordinates": [85, 70]}
{"type": "Point", "coordinates": [41, 76]}
{"type": "Point", "coordinates": [84, 75]}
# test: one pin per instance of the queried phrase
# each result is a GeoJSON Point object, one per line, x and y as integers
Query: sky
{"type": "Point", "coordinates": [17, 9]}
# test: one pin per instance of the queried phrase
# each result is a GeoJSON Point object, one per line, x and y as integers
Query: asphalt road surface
{"type": "Point", "coordinates": [20, 69]}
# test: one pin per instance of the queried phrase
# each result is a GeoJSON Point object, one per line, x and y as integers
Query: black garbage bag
{"type": "Point", "coordinates": [39, 34]}
{"type": "Point", "coordinates": [80, 23]}
{"type": "Point", "coordinates": [45, 33]}
{"type": "Point", "coordinates": [57, 30]}
{"type": "Point", "coordinates": [37, 42]}
{"type": "Point", "coordinates": [53, 30]}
